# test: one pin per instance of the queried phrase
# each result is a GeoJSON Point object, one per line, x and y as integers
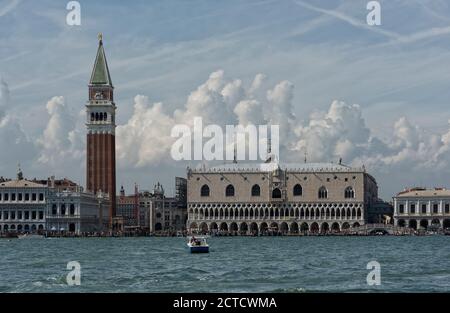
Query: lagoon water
{"type": "Point", "coordinates": [235, 264]}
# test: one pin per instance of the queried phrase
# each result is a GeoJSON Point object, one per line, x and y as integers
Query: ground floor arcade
{"type": "Point", "coordinates": [22, 227]}
{"type": "Point", "coordinates": [265, 227]}
{"type": "Point", "coordinates": [423, 223]}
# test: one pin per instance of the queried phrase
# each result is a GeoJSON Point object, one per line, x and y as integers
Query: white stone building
{"type": "Point", "coordinates": [76, 211]}
{"type": "Point", "coordinates": [278, 198]}
{"type": "Point", "coordinates": [22, 205]}
{"type": "Point", "coordinates": [50, 205]}
{"type": "Point", "coordinates": [422, 208]}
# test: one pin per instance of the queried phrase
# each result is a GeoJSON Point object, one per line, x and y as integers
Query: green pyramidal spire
{"type": "Point", "coordinates": [100, 73]}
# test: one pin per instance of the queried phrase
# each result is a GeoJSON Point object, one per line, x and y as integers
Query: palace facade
{"type": "Point", "coordinates": [421, 208]}
{"type": "Point", "coordinates": [278, 198]}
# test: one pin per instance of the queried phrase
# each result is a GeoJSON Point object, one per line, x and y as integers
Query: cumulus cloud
{"type": "Point", "coordinates": [410, 156]}
{"type": "Point", "coordinates": [340, 132]}
{"type": "Point", "coordinates": [257, 83]}
{"type": "Point", "coordinates": [213, 101]}
{"type": "Point", "coordinates": [61, 142]}
{"type": "Point", "coordinates": [145, 139]}
{"type": "Point", "coordinates": [279, 112]}
{"type": "Point", "coordinates": [409, 149]}
{"type": "Point", "coordinates": [16, 147]}
{"type": "Point", "coordinates": [249, 112]}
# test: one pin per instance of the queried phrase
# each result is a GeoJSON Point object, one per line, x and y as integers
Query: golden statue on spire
{"type": "Point", "coordinates": [19, 172]}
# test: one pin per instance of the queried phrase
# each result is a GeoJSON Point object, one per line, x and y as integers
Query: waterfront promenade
{"type": "Point", "coordinates": [364, 230]}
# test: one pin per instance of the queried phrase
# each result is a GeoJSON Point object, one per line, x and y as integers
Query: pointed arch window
{"type": "Point", "coordinates": [204, 191]}
{"type": "Point", "coordinates": [256, 191]}
{"type": "Point", "coordinates": [276, 194]}
{"type": "Point", "coordinates": [349, 193]}
{"type": "Point", "coordinates": [229, 191]}
{"type": "Point", "coordinates": [323, 193]}
{"type": "Point", "coordinates": [298, 190]}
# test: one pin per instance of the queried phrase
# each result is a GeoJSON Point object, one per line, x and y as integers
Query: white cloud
{"type": "Point", "coordinates": [279, 112]}
{"type": "Point", "coordinates": [257, 83]}
{"type": "Point", "coordinates": [145, 139]}
{"type": "Point", "coordinates": [213, 101]}
{"type": "Point", "coordinates": [249, 112]}
{"type": "Point", "coordinates": [340, 132]}
{"type": "Point", "coordinates": [410, 156]}
{"type": "Point", "coordinates": [61, 142]}
{"type": "Point", "coordinates": [16, 147]}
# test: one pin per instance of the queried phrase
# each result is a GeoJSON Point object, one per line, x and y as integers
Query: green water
{"type": "Point", "coordinates": [235, 264]}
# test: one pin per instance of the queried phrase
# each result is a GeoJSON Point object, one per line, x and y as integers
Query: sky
{"type": "Point", "coordinates": [376, 96]}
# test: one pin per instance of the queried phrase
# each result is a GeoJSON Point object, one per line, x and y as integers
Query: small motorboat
{"type": "Point", "coordinates": [31, 236]}
{"type": "Point", "coordinates": [198, 245]}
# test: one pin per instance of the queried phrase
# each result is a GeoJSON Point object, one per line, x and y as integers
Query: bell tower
{"type": "Point", "coordinates": [101, 126]}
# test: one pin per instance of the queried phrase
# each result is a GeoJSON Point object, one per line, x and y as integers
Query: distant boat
{"type": "Point", "coordinates": [31, 236]}
{"type": "Point", "coordinates": [198, 245]}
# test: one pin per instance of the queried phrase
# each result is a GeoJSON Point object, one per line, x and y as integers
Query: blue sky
{"type": "Point", "coordinates": [166, 49]}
